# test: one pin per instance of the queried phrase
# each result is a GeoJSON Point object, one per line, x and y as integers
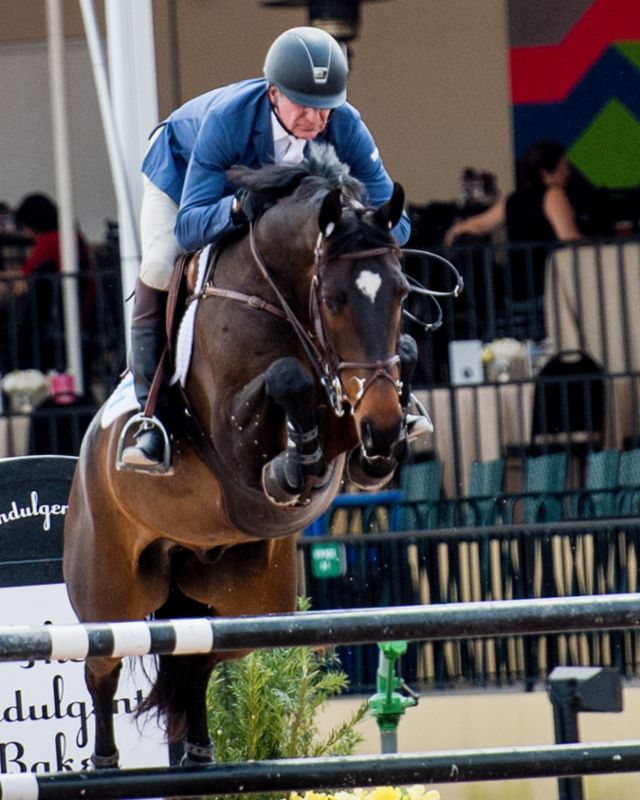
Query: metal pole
{"type": "Point", "coordinates": [62, 160]}
{"type": "Point", "coordinates": [114, 150]}
{"type": "Point", "coordinates": [335, 772]}
{"type": "Point", "coordinates": [129, 110]}
{"type": "Point", "coordinates": [134, 99]}
{"type": "Point", "coordinates": [362, 626]}
{"type": "Point", "coordinates": [565, 723]}
{"type": "Point", "coordinates": [447, 621]}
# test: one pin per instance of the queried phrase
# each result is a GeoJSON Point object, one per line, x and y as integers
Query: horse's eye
{"type": "Point", "coordinates": [401, 290]}
{"type": "Point", "coordinates": [334, 303]}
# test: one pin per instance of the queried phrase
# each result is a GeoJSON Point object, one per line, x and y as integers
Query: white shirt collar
{"type": "Point", "coordinates": [288, 149]}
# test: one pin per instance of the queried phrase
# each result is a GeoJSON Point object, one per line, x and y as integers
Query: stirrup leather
{"type": "Point", "coordinates": [147, 422]}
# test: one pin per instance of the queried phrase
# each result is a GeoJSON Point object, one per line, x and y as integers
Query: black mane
{"type": "Point", "coordinates": [275, 181]}
{"type": "Point", "coordinates": [320, 172]}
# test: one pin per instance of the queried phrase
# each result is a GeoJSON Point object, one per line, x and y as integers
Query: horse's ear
{"type": "Point", "coordinates": [388, 215]}
{"type": "Point", "coordinates": [330, 211]}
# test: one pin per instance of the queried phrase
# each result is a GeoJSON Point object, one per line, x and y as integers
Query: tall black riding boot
{"type": "Point", "coordinates": [148, 340]}
{"type": "Point", "coordinates": [416, 424]}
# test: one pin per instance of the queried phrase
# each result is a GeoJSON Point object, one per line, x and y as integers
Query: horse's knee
{"type": "Point", "coordinates": [284, 477]}
{"type": "Point", "coordinates": [103, 673]}
{"type": "Point", "coordinates": [288, 381]}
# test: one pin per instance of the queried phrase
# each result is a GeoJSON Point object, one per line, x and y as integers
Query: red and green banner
{"type": "Point", "coordinates": [575, 79]}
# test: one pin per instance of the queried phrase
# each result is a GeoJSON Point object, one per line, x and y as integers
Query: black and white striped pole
{"type": "Point", "coordinates": [316, 628]}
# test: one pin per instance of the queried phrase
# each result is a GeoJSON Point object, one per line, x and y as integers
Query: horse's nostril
{"type": "Point", "coordinates": [367, 436]}
{"type": "Point", "coordinates": [377, 440]}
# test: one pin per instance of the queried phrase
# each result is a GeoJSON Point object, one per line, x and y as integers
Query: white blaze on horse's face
{"type": "Point", "coordinates": [360, 382]}
{"type": "Point", "coordinates": [369, 283]}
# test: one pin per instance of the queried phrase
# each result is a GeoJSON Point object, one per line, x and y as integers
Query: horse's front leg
{"type": "Point", "coordinates": [286, 476]}
{"type": "Point", "coordinates": [101, 677]}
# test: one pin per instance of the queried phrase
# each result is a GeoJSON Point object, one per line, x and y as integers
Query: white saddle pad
{"type": "Point", "coordinates": [122, 401]}
{"type": "Point", "coordinates": [184, 343]}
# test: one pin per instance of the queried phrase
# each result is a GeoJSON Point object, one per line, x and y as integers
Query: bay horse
{"type": "Point", "coordinates": [295, 374]}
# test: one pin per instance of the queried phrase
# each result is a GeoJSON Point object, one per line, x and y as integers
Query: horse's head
{"type": "Point", "coordinates": [337, 264]}
{"type": "Point", "coordinates": [356, 302]}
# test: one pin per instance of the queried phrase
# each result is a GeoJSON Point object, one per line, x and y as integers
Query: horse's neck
{"type": "Point", "coordinates": [288, 259]}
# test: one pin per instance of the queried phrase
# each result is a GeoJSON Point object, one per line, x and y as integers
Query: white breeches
{"type": "Point", "coordinates": [160, 247]}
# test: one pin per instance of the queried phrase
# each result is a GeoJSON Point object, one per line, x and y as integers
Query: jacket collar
{"type": "Point", "coordinates": [263, 136]}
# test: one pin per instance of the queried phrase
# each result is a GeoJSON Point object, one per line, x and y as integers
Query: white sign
{"type": "Point", "coordinates": [46, 712]}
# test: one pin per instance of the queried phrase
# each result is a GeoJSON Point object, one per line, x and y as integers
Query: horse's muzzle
{"type": "Point", "coordinates": [377, 441]}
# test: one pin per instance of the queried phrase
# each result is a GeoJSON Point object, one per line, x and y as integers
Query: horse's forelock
{"type": "Point", "coordinates": [357, 231]}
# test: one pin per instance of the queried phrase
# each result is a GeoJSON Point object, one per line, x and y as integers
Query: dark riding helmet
{"type": "Point", "coordinates": [308, 66]}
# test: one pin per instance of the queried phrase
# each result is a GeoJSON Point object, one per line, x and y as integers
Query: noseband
{"type": "Point", "coordinates": [322, 355]}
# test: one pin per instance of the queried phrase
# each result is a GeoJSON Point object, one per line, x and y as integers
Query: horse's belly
{"type": "Point", "coordinates": [257, 577]}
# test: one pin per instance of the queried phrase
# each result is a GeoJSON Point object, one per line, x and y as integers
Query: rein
{"type": "Point", "coordinates": [325, 361]}
{"type": "Point", "coordinates": [379, 369]}
{"type": "Point", "coordinates": [432, 294]}
{"type": "Point", "coordinates": [321, 355]}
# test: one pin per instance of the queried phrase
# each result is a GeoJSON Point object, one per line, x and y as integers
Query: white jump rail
{"type": "Point", "coordinates": [315, 628]}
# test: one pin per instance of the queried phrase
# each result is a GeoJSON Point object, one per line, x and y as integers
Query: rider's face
{"type": "Point", "coordinates": [303, 121]}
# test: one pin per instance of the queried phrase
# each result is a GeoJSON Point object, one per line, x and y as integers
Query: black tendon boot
{"type": "Point", "coordinates": [416, 424]}
{"type": "Point", "coordinates": [151, 452]}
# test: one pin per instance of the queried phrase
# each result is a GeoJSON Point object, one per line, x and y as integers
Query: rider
{"type": "Point", "coordinates": [187, 202]}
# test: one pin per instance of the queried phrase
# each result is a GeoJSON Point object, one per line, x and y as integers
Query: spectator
{"type": "Point", "coordinates": [41, 331]}
{"type": "Point", "coordinates": [539, 211]}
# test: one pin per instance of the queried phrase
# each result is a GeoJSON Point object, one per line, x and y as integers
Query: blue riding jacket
{"type": "Point", "coordinates": [232, 125]}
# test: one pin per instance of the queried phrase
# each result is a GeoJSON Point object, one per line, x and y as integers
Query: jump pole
{"type": "Point", "coordinates": [496, 618]}
{"type": "Point", "coordinates": [328, 773]}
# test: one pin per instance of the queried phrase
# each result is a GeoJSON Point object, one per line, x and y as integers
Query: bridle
{"type": "Point", "coordinates": [323, 357]}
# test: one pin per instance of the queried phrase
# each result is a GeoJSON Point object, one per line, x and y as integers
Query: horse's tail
{"type": "Point", "coordinates": [181, 681]}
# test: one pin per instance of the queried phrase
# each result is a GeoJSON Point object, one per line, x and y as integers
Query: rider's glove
{"type": "Point", "coordinates": [244, 207]}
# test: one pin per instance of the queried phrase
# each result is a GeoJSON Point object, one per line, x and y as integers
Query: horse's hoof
{"type": "Point", "coordinates": [196, 755]}
{"type": "Point", "coordinates": [276, 486]}
{"type": "Point", "coordinates": [106, 762]}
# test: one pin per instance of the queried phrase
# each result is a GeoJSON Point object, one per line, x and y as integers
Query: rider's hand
{"type": "Point", "coordinates": [244, 207]}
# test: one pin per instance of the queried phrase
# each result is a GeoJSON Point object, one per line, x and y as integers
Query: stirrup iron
{"type": "Point", "coordinates": [416, 425]}
{"type": "Point", "coordinates": [148, 422]}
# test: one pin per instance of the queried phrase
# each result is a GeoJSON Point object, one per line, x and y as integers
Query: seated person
{"type": "Point", "coordinates": [37, 217]}
{"type": "Point", "coordinates": [539, 211]}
